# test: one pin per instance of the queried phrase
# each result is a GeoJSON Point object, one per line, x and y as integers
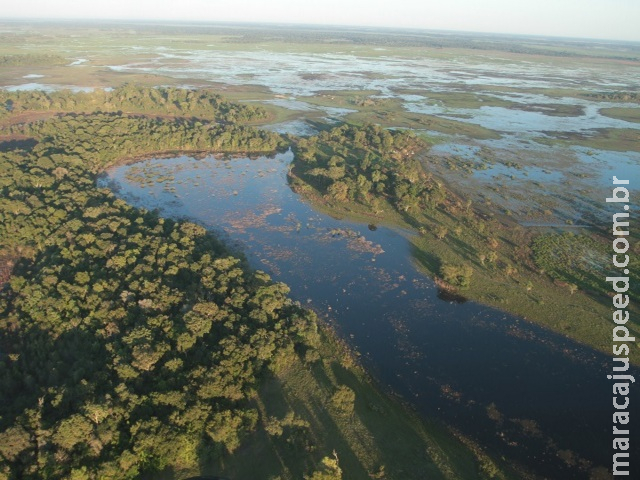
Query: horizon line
{"type": "Point", "coordinates": [241, 23]}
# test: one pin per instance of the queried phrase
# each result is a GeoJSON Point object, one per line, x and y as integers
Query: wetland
{"type": "Point", "coordinates": [517, 139]}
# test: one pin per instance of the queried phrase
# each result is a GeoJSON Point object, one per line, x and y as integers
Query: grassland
{"type": "Point", "coordinates": [552, 109]}
{"type": "Point", "coordinates": [403, 119]}
{"type": "Point", "coordinates": [390, 112]}
{"type": "Point", "coordinates": [459, 99]}
{"type": "Point", "coordinates": [614, 139]}
{"type": "Point", "coordinates": [378, 439]}
{"type": "Point", "coordinates": [621, 113]}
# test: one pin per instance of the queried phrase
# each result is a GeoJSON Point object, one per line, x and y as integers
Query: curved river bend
{"type": "Point", "coordinates": [526, 393]}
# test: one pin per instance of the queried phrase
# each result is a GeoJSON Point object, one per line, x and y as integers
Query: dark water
{"type": "Point", "coordinates": [525, 393]}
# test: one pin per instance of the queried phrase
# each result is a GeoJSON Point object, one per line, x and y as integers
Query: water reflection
{"type": "Point", "coordinates": [449, 296]}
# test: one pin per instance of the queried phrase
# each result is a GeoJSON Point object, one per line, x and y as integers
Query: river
{"type": "Point", "coordinates": [528, 394]}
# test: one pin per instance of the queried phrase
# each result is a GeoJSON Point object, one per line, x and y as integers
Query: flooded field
{"type": "Point", "coordinates": [537, 119]}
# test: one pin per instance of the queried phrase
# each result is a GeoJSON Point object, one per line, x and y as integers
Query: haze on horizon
{"type": "Point", "coordinates": [597, 19]}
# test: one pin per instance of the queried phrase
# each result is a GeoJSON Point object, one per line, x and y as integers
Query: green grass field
{"type": "Point", "coordinates": [626, 114]}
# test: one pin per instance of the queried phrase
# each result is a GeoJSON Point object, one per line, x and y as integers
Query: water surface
{"type": "Point", "coordinates": [524, 392]}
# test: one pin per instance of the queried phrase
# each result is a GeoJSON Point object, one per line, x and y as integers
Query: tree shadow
{"type": "Point", "coordinates": [39, 365]}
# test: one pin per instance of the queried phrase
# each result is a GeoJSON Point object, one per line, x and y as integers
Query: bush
{"type": "Point", "coordinates": [344, 399]}
{"type": "Point", "coordinates": [456, 275]}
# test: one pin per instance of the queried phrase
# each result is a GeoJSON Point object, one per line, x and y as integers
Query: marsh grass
{"type": "Point", "coordinates": [613, 139]}
{"type": "Point", "coordinates": [622, 113]}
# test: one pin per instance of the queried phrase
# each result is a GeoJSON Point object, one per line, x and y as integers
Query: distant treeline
{"type": "Point", "coordinates": [615, 96]}
{"type": "Point", "coordinates": [132, 99]}
{"type": "Point", "coordinates": [421, 39]}
{"type": "Point", "coordinates": [101, 139]}
{"type": "Point", "coordinates": [31, 59]}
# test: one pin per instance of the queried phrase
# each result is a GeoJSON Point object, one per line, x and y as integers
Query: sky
{"type": "Point", "coordinates": [602, 19]}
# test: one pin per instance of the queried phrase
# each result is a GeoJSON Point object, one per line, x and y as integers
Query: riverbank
{"type": "Point", "coordinates": [375, 436]}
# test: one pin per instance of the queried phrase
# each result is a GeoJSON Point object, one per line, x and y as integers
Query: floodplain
{"type": "Point", "coordinates": [526, 132]}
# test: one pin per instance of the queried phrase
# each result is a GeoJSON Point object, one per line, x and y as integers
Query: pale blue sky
{"type": "Point", "coordinates": [608, 19]}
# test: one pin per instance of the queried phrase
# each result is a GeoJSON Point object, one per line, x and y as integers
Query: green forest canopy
{"type": "Point", "coordinates": [130, 342]}
{"type": "Point", "coordinates": [168, 101]}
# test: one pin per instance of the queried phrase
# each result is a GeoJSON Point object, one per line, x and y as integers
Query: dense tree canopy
{"type": "Point", "coordinates": [29, 59]}
{"type": "Point", "coordinates": [360, 164]}
{"type": "Point", "coordinates": [128, 342]}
